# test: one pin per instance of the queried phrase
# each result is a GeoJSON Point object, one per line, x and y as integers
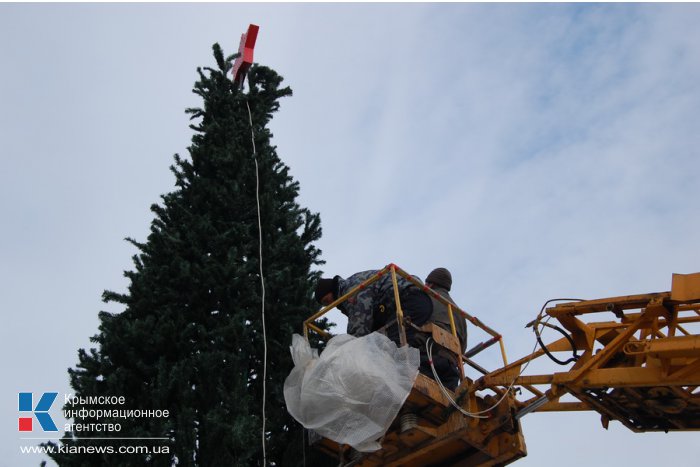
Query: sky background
{"type": "Point", "coordinates": [536, 150]}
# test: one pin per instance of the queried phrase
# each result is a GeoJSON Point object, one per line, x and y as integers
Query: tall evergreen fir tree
{"type": "Point", "coordinates": [190, 339]}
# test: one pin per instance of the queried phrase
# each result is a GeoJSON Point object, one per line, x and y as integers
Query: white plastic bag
{"type": "Point", "coordinates": [354, 390]}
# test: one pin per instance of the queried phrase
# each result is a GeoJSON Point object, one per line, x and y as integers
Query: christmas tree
{"type": "Point", "coordinates": [190, 340]}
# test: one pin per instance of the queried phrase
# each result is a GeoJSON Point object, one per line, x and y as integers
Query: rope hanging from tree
{"type": "Point", "coordinates": [240, 71]}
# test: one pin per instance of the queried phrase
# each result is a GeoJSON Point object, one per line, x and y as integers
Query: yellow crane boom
{"type": "Point", "coordinates": [636, 359]}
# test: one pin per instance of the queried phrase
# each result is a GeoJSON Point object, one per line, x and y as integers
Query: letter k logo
{"type": "Point", "coordinates": [41, 411]}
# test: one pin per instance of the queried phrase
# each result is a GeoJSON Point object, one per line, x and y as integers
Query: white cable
{"type": "Point", "coordinates": [522, 370]}
{"type": "Point", "coordinates": [429, 351]}
{"type": "Point", "coordinates": [262, 280]}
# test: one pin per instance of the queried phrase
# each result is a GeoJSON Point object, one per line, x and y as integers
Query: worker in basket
{"type": "Point", "coordinates": [374, 309]}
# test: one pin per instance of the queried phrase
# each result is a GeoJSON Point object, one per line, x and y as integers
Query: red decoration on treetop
{"type": "Point", "coordinates": [245, 59]}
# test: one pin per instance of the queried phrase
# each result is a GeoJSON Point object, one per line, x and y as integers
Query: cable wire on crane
{"type": "Point", "coordinates": [536, 324]}
{"type": "Point", "coordinates": [452, 401]}
{"type": "Point", "coordinates": [429, 351]}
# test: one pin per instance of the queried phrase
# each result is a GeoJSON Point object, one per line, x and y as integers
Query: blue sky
{"type": "Point", "coordinates": [536, 150]}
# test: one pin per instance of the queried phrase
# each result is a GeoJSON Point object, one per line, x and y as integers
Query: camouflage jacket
{"type": "Point", "coordinates": [360, 307]}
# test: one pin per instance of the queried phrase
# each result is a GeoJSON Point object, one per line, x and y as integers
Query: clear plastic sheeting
{"type": "Point", "coordinates": [354, 390]}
